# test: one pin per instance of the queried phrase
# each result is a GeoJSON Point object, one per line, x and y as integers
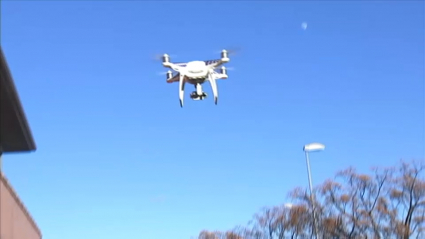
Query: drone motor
{"type": "Point", "coordinates": [165, 58]}
{"type": "Point", "coordinates": [224, 56]}
{"type": "Point", "coordinates": [169, 74]}
{"type": "Point", "coordinates": [223, 70]}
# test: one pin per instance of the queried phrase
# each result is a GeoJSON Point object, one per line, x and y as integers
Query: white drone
{"type": "Point", "coordinates": [196, 73]}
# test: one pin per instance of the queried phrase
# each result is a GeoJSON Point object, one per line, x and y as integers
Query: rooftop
{"type": "Point", "coordinates": [15, 134]}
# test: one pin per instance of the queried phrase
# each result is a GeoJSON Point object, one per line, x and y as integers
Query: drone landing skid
{"type": "Point", "coordinates": [181, 89]}
{"type": "Point", "coordinates": [213, 83]}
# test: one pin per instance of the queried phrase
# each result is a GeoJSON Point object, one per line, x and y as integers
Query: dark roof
{"type": "Point", "coordinates": [15, 134]}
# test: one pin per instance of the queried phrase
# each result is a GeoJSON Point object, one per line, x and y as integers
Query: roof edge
{"type": "Point", "coordinates": [16, 103]}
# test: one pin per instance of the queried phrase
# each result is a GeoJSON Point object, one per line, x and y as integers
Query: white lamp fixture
{"type": "Point", "coordinates": [313, 147]}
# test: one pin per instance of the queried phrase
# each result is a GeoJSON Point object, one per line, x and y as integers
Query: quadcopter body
{"type": "Point", "coordinates": [196, 73]}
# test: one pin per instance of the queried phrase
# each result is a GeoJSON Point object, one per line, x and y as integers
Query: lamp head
{"type": "Point", "coordinates": [313, 147]}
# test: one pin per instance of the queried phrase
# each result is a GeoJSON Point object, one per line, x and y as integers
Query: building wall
{"type": "Point", "coordinates": [15, 221]}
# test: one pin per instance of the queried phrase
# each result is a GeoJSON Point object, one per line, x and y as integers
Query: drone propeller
{"type": "Point", "coordinates": [163, 73]}
{"type": "Point", "coordinates": [230, 51]}
{"type": "Point", "coordinates": [158, 57]}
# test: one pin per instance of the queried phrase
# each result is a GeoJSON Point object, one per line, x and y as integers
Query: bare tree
{"type": "Point", "coordinates": [407, 197]}
{"type": "Point", "coordinates": [352, 209]}
{"type": "Point", "coordinates": [389, 203]}
{"type": "Point", "coordinates": [209, 235]}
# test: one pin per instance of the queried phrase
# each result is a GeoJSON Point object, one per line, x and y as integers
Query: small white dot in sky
{"type": "Point", "coordinates": [304, 25]}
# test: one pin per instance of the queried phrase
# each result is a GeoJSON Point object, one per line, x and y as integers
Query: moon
{"type": "Point", "coordinates": [304, 25]}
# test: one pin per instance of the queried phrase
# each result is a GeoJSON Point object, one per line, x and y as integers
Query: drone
{"type": "Point", "coordinates": [196, 73]}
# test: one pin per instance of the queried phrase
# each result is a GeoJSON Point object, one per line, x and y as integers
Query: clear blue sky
{"type": "Point", "coordinates": [118, 158]}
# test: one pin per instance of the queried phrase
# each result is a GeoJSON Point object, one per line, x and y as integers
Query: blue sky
{"type": "Point", "coordinates": [118, 158]}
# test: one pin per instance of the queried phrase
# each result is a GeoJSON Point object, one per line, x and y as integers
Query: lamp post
{"type": "Point", "coordinates": [307, 149]}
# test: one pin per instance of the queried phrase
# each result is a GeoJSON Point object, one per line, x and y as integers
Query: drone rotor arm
{"type": "Point", "coordinates": [214, 63]}
{"type": "Point", "coordinates": [173, 79]}
{"type": "Point", "coordinates": [173, 66]}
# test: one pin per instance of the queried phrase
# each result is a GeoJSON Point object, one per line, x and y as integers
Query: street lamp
{"type": "Point", "coordinates": [313, 147]}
